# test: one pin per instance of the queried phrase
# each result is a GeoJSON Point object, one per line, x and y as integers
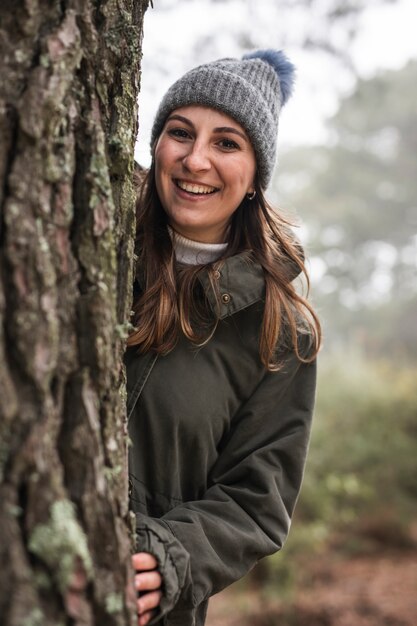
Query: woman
{"type": "Point", "coordinates": [221, 364]}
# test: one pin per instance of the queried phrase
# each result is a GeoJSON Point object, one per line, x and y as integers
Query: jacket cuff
{"type": "Point", "coordinates": [155, 537]}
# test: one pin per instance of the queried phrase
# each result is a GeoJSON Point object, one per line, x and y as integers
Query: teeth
{"type": "Point", "coordinates": [195, 188]}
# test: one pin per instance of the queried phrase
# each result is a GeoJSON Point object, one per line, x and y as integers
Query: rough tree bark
{"type": "Point", "coordinates": [69, 72]}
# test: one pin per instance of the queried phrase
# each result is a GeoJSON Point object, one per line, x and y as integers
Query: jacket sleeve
{"type": "Point", "coordinates": [245, 513]}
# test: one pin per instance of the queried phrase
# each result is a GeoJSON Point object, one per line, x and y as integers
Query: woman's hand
{"type": "Point", "coordinates": [148, 580]}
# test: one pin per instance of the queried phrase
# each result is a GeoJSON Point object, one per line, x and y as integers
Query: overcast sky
{"type": "Point", "coordinates": [184, 34]}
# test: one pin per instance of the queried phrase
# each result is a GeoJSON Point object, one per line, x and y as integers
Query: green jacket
{"type": "Point", "coordinates": [218, 449]}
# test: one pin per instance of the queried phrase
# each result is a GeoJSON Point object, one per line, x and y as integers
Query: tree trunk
{"type": "Point", "coordinates": [69, 73]}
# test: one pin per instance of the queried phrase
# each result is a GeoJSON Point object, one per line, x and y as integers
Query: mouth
{"type": "Point", "coordinates": [194, 188]}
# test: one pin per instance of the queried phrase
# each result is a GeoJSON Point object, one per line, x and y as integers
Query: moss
{"type": "Point", "coordinates": [14, 209]}
{"type": "Point", "coordinates": [59, 542]}
{"type": "Point", "coordinates": [99, 170]}
{"type": "Point", "coordinates": [42, 581]}
{"type": "Point", "coordinates": [114, 603]}
{"type": "Point", "coordinates": [14, 510]}
{"type": "Point", "coordinates": [111, 473]}
{"type": "Point", "coordinates": [132, 525]}
{"type": "Point", "coordinates": [102, 286]}
{"type": "Point", "coordinates": [45, 61]}
{"type": "Point", "coordinates": [21, 56]}
{"type": "Point", "coordinates": [124, 330]}
{"type": "Point", "coordinates": [35, 618]}
{"type": "Point", "coordinates": [53, 170]}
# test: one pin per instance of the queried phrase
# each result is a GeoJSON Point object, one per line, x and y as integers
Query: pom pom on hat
{"type": "Point", "coordinates": [283, 67]}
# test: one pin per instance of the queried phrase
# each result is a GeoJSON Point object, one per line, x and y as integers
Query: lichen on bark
{"type": "Point", "coordinates": [68, 120]}
{"type": "Point", "coordinates": [59, 542]}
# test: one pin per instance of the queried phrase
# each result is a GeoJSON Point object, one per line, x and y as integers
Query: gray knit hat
{"type": "Point", "coordinates": [252, 90]}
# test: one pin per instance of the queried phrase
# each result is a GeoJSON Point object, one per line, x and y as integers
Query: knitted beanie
{"type": "Point", "coordinates": [252, 90]}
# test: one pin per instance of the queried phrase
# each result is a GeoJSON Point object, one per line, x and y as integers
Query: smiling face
{"type": "Point", "coordinates": [204, 167]}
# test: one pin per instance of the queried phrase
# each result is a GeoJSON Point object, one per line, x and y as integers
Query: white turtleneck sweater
{"type": "Point", "coordinates": [192, 252]}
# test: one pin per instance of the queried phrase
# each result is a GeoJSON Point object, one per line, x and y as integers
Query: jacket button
{"type": "Point", "coordinates": [216, 274]}
{"type": "Point", "coordinates": [226, 298]}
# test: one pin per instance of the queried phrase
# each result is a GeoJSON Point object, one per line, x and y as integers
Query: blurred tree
{"type": "Point", "coordinates": [68, 120]}
{"type": "Point", "coordinates": [357, 196]}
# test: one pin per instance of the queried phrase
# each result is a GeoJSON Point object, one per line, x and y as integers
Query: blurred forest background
{"type": "Point", "coordinates": [351, 558]}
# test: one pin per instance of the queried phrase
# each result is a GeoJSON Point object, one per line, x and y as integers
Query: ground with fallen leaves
{"type": "Point", "coordinates": [362, 591]}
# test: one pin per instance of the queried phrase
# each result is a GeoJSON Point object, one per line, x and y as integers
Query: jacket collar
{"type": "Point", "coordinates": [240, 282]}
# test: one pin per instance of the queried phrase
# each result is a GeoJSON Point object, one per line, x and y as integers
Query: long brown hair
{"type": "Point", "coordinates": [168, 302]}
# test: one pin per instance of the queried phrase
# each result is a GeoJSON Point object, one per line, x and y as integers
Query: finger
{"type": "Point", "coordinates": [144, 561]}
{"type": "Point", "coordinates": [148, 601]}
{"type": "Point", "coordinates": [145, 618]}
{"type": "Point", "coordinates": [148, 581]}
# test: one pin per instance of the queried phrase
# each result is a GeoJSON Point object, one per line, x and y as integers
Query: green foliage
{"type": "Point", "coordinates": [362, 455]}
{"type": "Point", "coordinates": [359, 491]}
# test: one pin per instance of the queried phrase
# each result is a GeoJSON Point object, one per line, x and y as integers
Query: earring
{"type": "Point", "coordinates": [250, 196]}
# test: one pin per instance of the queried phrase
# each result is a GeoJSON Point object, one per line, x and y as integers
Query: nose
{"type": "Point", "coordinates": [197, 158]}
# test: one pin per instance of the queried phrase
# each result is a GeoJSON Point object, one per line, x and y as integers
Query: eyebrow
{"type": "Point", "coordinates": [220, 129]}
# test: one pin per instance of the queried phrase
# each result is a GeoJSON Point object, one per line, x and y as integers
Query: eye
{"type": "Point", "coordinates": [228, 144]}
{"type": "Point", "coordinates": [178, 133]}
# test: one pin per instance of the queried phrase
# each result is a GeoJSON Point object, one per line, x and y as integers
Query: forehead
{"type": "Point", "coordinates": [198, 114]}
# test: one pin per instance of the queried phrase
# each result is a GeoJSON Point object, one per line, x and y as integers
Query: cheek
{"type": "Point", "coordinates": [160, 160]}
{"type": "Point", "coordinates": [240, 184]}
{"type": "Point", "coordinates": [163, 162]}
{"type": "Point", "coordinates": [167, 153]}
{"type": "Point", "coordinates": [251, 172]}
{"type": "Point", "coordinates": [242, 174]}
